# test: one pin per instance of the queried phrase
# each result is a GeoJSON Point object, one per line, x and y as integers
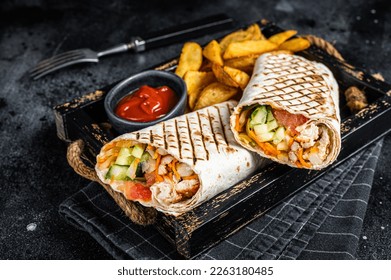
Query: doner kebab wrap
{"type": "Point", "coordinates": [175, 165]}
{"type": "Point", "coordinates": [289, 112]}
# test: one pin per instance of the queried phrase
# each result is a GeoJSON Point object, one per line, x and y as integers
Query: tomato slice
{"type": "Point", "coordinates": [137, 191]}
{"type": "Point", "coordinates": [288, 120]}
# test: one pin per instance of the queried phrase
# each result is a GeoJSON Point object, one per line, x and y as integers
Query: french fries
{"type": "Point", "coordinates": [190, 59]}
{"type": "Point", "coordinates": [221, 70]}
{"type": "Point", "coordinates": [215, 93]}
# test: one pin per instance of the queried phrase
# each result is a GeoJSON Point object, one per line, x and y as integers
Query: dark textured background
{"type": "Point", "coordinates": [35, 177]}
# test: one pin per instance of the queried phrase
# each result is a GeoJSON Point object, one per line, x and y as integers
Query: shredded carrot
{"type": "Point", "coordinates": [298, 164]}
{"type": "Point", "coordinates": [291, 140]}
{"type": "Point", "coordinates": [124, 144]}
{"type": "Point", "coordinates": [243, 115]}
{"type": "Point", "coordinates": [271, 149]}
{"type": "Point", "coordinates": [173, 168]}
{"type": "Point", "coordinates": [194, 176]}
{"type": "Point", "coordinates": [237, 125]}
{"type": "Point", "coordinates": [314, 149]}
{"type": "Point", "coordinates": [158, 177]}
{"type": "Point", "coordinates": [107, 162]}
{"type": "Point", "coordinates": [108, 146]}
{"type": "Point", "coordinates": [155, 155]}
{"type": "Point", "coordinates": [104, 158]}
{"type": "Point", "coordinates": [268, 148]}
{"type": "Point", "coordinates": [168, 177]}
{"type": "Point", "coordinates": [302, 161]}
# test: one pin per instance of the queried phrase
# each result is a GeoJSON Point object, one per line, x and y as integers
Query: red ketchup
{"type": "Point", "coordinates": [146, 104]}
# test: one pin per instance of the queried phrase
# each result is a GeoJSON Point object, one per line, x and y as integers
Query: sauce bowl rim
{"type": "Point", "coordinates": [182, 96]}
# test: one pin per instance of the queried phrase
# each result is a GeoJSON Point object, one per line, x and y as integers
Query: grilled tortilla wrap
{"type": "Point", "coordinates": [289, 112]}
{"type": "Point", "coordinates": [177, 164]}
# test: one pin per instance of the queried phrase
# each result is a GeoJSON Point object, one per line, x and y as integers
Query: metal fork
{"type": "Point", "coordinates": [137, 44]}
{"type": "Point", "coordinates": [78, 56]}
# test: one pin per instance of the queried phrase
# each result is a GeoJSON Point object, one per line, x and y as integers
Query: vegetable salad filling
{"type": "Point", "coordinates": [134, 168]}
{"type": "Point", "coordinates": [288, 137]}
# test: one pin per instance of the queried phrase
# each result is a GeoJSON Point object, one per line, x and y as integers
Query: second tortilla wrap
{"type": "Point", "coordinates": [289, 112]}
{"type": "Point", "coordinates": [179, 163]}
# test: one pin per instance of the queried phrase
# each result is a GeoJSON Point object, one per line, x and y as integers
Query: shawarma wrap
{"type": "Point", "coordinates": [177, 164]}
{"type": "Point", "coordinates": [289, 112]}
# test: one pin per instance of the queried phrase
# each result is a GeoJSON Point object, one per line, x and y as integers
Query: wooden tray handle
{"type": "Point", "coordinates": [136, 212]}
{"type": "Point", "coordinates": [324, 45]}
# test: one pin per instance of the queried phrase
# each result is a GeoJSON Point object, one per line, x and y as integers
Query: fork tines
{"type": "Point", "coordinates": [59, 61]}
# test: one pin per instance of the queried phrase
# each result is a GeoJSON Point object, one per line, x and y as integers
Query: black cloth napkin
{"type": "Point", "coordinates": [323, 221]}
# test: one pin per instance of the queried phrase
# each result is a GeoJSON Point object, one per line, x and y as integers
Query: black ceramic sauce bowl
{"type": "Point", "coordinates": [153, 78]}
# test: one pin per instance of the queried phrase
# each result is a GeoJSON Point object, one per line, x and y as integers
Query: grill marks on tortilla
{"type": "Point", "coordinates": [151, 137]}
{"type": "Point", "coordinates": [178, 137]}
{"type": "Point", "coordinates": [171, 136]}
{"type": "Point", "coordinates": [165, 136]}
{"type": "Point", "coordinates": [290, 81]}
{"type": "Point", "coordinates": [192, 137]}
{"type": "Point", "coordinates": [203, 134]}
{"type": "Point", "coordinates": [215, 141]}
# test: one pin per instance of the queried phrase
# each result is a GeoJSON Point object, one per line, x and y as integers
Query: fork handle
{"type": "Point", "coordinates": [173, 35]}
{"type": "Point", "coordinates": [182, 32]}
{"type": "Point", "coordinates": [116, 49]}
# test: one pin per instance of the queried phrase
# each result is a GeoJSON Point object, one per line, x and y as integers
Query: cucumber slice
{"type": "Point", "coordinates": [117, 172]}
{"type": "Point", "coordinates": [124, 157]}
{"type": "Point", "coordinates": [146, 156]}
{"type": "Point", "coordinates": [260, 129]}
{"type": "Point", "coordinates": [272, 125]}
{"type": "Point", "coordinates": [265, 137]}
{"type": "Point", "coordinates": [138, 150]}
{"type": "Point", "coordinates": [270, 116]}
{"type": "Point", "coordinates": [258, 116]}
{"type": "Point", "coordinates": [279, 135]}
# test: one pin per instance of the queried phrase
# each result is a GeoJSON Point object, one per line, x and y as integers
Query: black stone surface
{"type": "Point", "coordinates": [35, 177]}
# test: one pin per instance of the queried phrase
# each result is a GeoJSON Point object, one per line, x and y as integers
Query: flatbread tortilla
{"type": "Point", "coordinates": [301, 96]}
{"type": "Point", "coordinates": [199, 155]}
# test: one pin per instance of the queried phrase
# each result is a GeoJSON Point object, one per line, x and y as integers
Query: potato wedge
{"type": "Point", "coordinates": [240, 77]}
{"type": "Point", "coordinates": [206, 66]}
{"type": "Point", "coordinates": [295, 45]}
{"type": "Point", "coordinates": [281, 37]}
{"type": "Point", "coordinates": [196, 81]}
{"type": "Point", "coordinates": [244, 63]}
{"type": "Point", "coordinates": [190, 58]}
{"type": "Point", "coordinates": [215, 93]}
{"type": "Point", "coordinates": [223, 77]}
{"type": "Point", "coordinates": [253, 32]}
{"type": "Point", "coordinates": [212, 51]}
{"type": "Point", "coordinates": [246, 48]}
{"type": "Point", "coordinates": [237, 36]}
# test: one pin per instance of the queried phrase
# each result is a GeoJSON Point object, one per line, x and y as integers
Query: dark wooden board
{"type": "Point", "coordinates": [199, 229]}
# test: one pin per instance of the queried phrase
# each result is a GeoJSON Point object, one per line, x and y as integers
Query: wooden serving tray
{"type": "Point", "coordinates": [199, 229]}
